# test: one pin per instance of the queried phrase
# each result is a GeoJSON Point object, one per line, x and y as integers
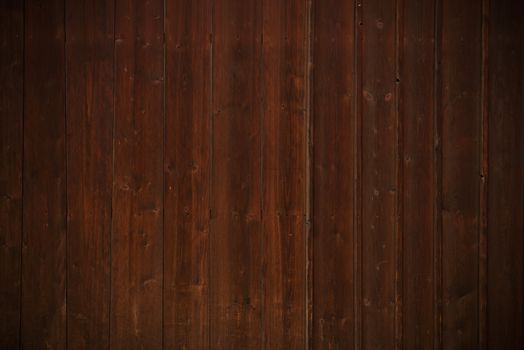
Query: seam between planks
{"type": "Point", "coordinates": [210, 239]}
{"type": "Point", "coordinates": [64, 27]}
{"type": "Point", "coordinates": [357, 212]}
{"type": "Point", "coordinates": [20, 343]}
{"type": "Point", "coordinates": [164, 53]}
{"type": "Point", "coordinates": [112, 179]}
{"type": "Point", "coordinates": [437, 230]}
{"type": "Point", "coordinates": [260, 98]}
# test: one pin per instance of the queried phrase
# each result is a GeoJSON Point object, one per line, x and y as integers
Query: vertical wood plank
{"type": "Point", "coordinates": [333, 121]}
{"type": "Point", "coordinates": [284, 173]}
{"type": "Point", "coordinates": [416, 108]}
{"type": "Point", "coordinates": [11, 158]}
{"type": "Point", "coordinates": [236, 241]}
{"type": "Point", "coordinates": [136, 267]}
{"type": "Point", "coordinates": [89, 108]}
{"type": "Point", "coordinates": [506, 171]}
{"type": "Point", "coordinates": [483, 183]}
{"type": "Point", "coordinates": [187, 173]}
{"type": "Point", "coordinates": [44, 215]}
{"type": "Point", "coordinates": [379, 173]}
{"type": "Point", "coordinates": [309, 173]}
{"type": "Point", "coordinates": [461, 117]}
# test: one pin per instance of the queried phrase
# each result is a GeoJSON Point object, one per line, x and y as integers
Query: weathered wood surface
{"type": "Point", "coordinates": [245, 174]}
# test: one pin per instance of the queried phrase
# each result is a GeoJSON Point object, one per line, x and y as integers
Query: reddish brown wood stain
{"type": "Point", "coordinates": [245, 174]}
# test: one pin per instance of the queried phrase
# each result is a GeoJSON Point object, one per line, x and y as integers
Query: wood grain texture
{"type": "Point", "coordinates": [483, 183]}
{"type": "Point", "coordinates": [11, 159]}
{"type": "Point", "coordinates": [89, 108]}
{"type": "Point", "coordinates": [236, 230]}
{"type": "Point", "coordinates": [136, 266]}
{"type": "Point", "coordinates": [461, 135]}
{"type": "Point", "coordinates": [283, 138]}
{"type": "Point", "coordinates": [505, 308]}
{"type": "Point", "coordinates": [416, 108]}
{"type": "Point", "coordinates": [379, 173]}
{"type": "Point", "coordinates": [43, 314]}
{"type": "Point", "coordinates": [187, 174]}
{"type": "Point", "coordinates": [334, 173]}
{"type": "Point", "coordinates": [243, 174]}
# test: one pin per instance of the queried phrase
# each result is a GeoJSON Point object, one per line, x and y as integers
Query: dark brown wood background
{"type": "Point", "coordinates": [262, 174]}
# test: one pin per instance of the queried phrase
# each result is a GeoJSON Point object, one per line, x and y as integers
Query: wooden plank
{"type": "Point", "coordinates": [506, 170]}
{"type": "Point", "coordinates": [334, 173]}
{"type": "Point", "coordinates": [11, 149]}
{"type": "Point", "coordinates": [236, 241]}
{"type": "Point", "coordinates": [460, 114]}
{"type": "Point", "coordinates": [89, 108]}
{"type": "Point", "coordinates": [136, 267]}
{"type": "Point", "coordinates": [284, 173]}
{"type": "Point", "coordinates": [187, 173]}
{"type": "Point", "coordinates": [379, 173]}
{"type": "Point", "coordinates": [419, 194]}
{"type": "Point", "coordinates": [483, 183]}
{"type": "Point", "coordinates": [44, 196]}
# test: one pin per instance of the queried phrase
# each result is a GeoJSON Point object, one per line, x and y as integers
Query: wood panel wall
{"type": "Point", "coordinates": [242, 174]}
